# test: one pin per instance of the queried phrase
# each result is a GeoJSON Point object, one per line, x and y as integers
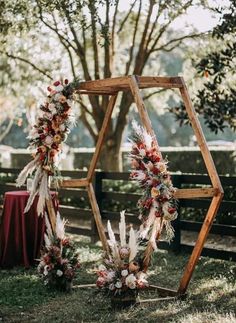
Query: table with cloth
{"type": "Point", "coordinates": [21, 234]}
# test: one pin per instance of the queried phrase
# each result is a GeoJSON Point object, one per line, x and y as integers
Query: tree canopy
{"type": "Point", "coordinates": [92, 39]}
{"type": "Point", "coordinates": [216, 100]}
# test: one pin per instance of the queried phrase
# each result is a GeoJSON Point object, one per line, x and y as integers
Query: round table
{"type": "Point", "coordinates": [21, 234]}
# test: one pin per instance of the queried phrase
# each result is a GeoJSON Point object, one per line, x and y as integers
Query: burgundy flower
{"type": "Point", "coordinates": [56, 83]}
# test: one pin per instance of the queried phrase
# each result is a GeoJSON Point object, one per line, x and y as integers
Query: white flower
{"type": "Point", "coordinates": [48, 140]}
{"type": "Point", "coordinates": [142, 277]}
{"type": "Point", "coordinates": [45, 272]}
{"type": "Point", "coordinates": [110, 275]}
{"type": "Point", "coordinates": [102, 268]}
{"type": "Point", "coordinates": [59, 88]}
{"type": "Point", "coordinates": [57, 97]}
{"type": "Point", "coordinates": [59, 273]}
{"type": "Point", "coordinates": [118, 284]}
{"type": "Point", "coordinates": [130, 281]}
{"type": "Point", "coordinates": [51, 106]}
{"type": "Point", "coordinates": [124, 273]}
{"type": "Point", "coordinates": [142, 152]}
{"type": "Point", "coordinates": [62, 127]}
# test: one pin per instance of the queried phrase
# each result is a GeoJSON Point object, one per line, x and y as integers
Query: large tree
{"type": "Point", "coordinates": [99, 41]}
{"type": "Point", "coordinates": [216, 99]}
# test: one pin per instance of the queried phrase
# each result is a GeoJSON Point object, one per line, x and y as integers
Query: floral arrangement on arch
{"type": "Point", "coordinates": [53, 124]}
{"type": "Point", "coordinates": [157, 206]}
{"type": "Point", "coordinates": [59, 263]}
{"type": "Point", "coordinates": [121, 271]}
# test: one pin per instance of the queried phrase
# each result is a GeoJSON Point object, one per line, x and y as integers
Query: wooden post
{"type": "Point", "coordinates": [102, 135]}
{"type": "Point", "coordinates": [215, 203]}
{"type": "Point", "coordinates": [141, 106]}
{"type": "Point", "coordinates": [216, 184]}
{"type": "Point", "coordinates": [97, 183]}
{"type": "Point", "coordinates": [51, 213]}
{"type": "Point", "coordinates": [97, 217]}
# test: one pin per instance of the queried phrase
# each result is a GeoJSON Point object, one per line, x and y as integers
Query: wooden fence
{"type": "Point", "coordinates": [81, 218]}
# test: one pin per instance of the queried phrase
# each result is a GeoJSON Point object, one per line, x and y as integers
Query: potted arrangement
{"type": "Point", "coordinates": [59, 262]}
{"type": "Point", "coordinates": [121, 274]}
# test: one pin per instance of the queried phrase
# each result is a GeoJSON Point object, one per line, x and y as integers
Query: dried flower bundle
{"type": "Point", "coordinates": [59, 263]}
{"type": "Point", "coordinates": [157, 206]}
{"type": "Point", "coordinates": [46, 141]}
{"type": "Point", "coordinates": [121, 271]}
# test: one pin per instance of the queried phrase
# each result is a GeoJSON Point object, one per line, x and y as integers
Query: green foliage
{"type": "Point", "coordinates": [216, 101]}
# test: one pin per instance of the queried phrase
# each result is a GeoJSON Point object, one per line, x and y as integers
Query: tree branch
{"type": "Point", "coordinates": [139, 62]}
{"type": "Point", "coordinates": [126, 17]}
{"type": "Point", "coordinates": [6, 131]}
{"type": "Point", "coordinates": [131, 50]}
{"type": "Point", "coordinates": [146, 97]}
{"type": "Point", "coordinates": [93, 13]}
{"type": "Point", "coordinates": [80, 49]}
{"type": "Point", "coordinates": [107, 69]}
{"type": "Point", "coordinates": [113, 33]}
{"type": "Point", "coordinates": [27, 62]}
{"type": "Point", "coordinates": [84, 119]}
{"type": "Point", "coordinates": [176, 40]}
{"type": "Point", "coordinates": [66, 47]}
{"type": "Point", "coordinates": [55, 29]}
{"type": "Point", "coordinates": [80, 101]}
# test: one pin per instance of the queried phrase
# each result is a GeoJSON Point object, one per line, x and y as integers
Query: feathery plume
{"type": "Point", "coordinates": [132, 244]}
{"type": "Point", "coordinates": [122, 229]}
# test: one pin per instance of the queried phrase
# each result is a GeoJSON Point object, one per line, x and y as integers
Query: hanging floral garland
{"type": "Point", "coordinates": [157, 206]}
{"type": "Point", "coordinates": [53, 124]}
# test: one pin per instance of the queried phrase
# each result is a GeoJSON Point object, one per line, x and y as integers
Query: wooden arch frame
{"type": "Point", "coordinates": [134, 83]}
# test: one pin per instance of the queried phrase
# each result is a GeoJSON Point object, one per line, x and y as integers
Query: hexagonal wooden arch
{"type": "Point", "coordinates": [134, 83]}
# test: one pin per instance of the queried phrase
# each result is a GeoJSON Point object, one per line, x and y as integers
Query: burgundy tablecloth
{"type": "Point", "coordinates": [21, 234]}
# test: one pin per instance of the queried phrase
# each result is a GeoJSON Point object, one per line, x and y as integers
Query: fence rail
{"type": "Point", "coordinates": [83, 222]}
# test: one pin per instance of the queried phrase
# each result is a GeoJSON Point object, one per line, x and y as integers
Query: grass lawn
{"type": "Point", "coordinates": [211, 295]}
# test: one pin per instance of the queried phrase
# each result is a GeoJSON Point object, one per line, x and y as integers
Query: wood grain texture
{"type": "Point", "coordinates": [97, 217]}
{"type": "Point", "coordinates": [101, 137]}
{"type": "Point", "coordinates": [215, 203]}
{"type": "Point", "coordinates": [51, 214]}
{"type": "Point", "coordinates": [189, 193]}
{"type": "Point", "coordinates": [82, 182]}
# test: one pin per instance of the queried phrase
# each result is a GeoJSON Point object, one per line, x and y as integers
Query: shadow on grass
{"type": "Point", "coordinates": [23, 298]}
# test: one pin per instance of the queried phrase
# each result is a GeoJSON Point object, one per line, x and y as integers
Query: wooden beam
{"type": "Point", "coordinates": [105, 83]}
{"type": "Point", "coordinates": [98, 218]}
{"type": "Point", "coordinates": [141, 107]}
{"type": "Point", "coordinates": [101, 137]}
{"type": "Point", "coordinates": [188, 193]}
{"type": "Point", "coordinates": [82, 182]}
{"type": "Point", "coordinates": [51, 213]}
{"type": "Point", "coordinates": [201, 139]}
{"type": "Point", "coordinates": [98, 92]}
{"type": "Point", "coordinates": [145, 82]}
{"type": "Point", "coordinates": [215, 203]}
{"type": "Point", "coordinates": [122, 83]}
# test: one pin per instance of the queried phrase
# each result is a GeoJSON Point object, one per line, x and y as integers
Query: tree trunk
{"type": "Point", "coordinates": [111, 157]}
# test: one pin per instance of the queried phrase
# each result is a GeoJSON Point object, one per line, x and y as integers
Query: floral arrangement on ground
{"type": "Point", "coordinates": [59, 262]}
{"type": "Point", "coordinates": [121, 274]}
{"type": "Point", "coordinates": [157, 206]}
{"type": "Point", "coordinates": [53, 124]}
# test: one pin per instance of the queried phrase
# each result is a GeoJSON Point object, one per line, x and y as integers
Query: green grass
{"type": "Point", "coordinates": [211, 294]}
